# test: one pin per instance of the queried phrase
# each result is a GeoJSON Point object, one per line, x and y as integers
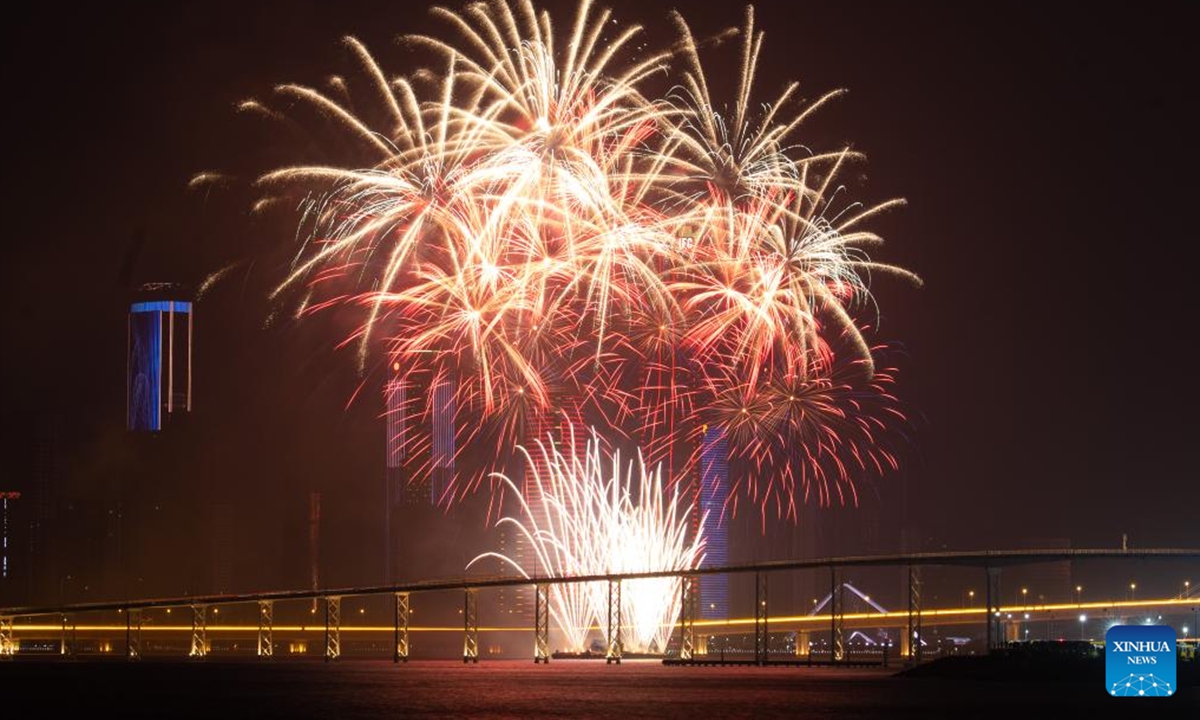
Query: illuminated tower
{"type": "Point", "coordinates": [539, 430]}
{"type": "Point", "coordinates": [400, 490]}
{"type": "Point", "coordinates": [5, 497]}
{"type": "Point", "coordinates": [159, 361]}
{"type": "Point", "coordinates": [394, 395]}
{"type": "Point", "coordinates": [714, 492]}
{"type": "Point", "coordinates": [444, 410]}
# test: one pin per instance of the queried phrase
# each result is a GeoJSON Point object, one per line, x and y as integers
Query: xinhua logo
{"type": "Point", "coordinates": [1139, 661]}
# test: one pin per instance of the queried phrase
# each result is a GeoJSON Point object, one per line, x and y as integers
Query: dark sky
{"type": "Point", "coordinates": [1048, 157]}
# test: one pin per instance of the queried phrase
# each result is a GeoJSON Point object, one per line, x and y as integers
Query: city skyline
{"type": "Point", "coordinates": [1018, 418]}
{"type": "Point", "coordinates": [598, 358]}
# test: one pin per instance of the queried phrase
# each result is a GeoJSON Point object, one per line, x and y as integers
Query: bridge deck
{"type": "Point", "coordinates": [981, 559]}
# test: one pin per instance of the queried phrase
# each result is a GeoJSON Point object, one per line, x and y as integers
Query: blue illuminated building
{"type": "Point", "coordinates": [159, 363]}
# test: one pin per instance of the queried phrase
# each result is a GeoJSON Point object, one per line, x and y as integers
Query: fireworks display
{"type": "Point", "coordinates": [581, 516]}
{"type": "Point", "coordinates": [565, 223]}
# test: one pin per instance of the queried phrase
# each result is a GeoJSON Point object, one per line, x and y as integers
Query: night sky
{"type": "Point", "coordinates": [1047, 155]}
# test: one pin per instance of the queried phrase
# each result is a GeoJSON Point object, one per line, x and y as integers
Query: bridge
{"type": "Point", "coordinates": [39, 620]}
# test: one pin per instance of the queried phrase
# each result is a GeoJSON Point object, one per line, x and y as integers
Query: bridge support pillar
{"type": "Point", "coordinates": [761, 619]}
{"type": "Point", "coordinates": [837, 618]}
{"type": "Point", "coordinates": [1012, 632]}
{"type": "Point", "coordinates": [266, 629]}
{"type": "Point", "coordinates": [470, 627]}
{"type": "Point", "coordinates": [133, 634]}
{"type": "Point", "coordinates": [8, 646]}
{"type": "Point", "coordinates": [914, 614]}
{"type": "Point", "coordinates": [613, 654]}
{"type": "Point", "coordinates": [400, 634]}
{"type": "Point", "coordinates": [687, 617]}
{"type": "Point", "coordinates": [541, 623]}
{"type": "Point", "coordinates": [333, 627]}
{"type": "Point", "coordinates": [803, 644]}
{"type": "Point", "coordinates": [993, 607]}
{"type": "Point", "coordinates": [199, 647]}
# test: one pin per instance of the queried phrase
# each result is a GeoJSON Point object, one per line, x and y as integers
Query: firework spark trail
{"type": "Point", "coordinates": [585, 516]}
{"type": "Point", "coordinates": [529, 224]}
{"type": "Point", "coordinates": [813, 431]}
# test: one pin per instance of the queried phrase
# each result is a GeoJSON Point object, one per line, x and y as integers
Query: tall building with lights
{"type": "Point", "coordinates": [541, 427]}
{"type": "Point", "coordinates": [402, 493]}
{"type": "Point", "coordinates": [443, 445]}
{"type": "Point", "coordinates": [159, 360]}
{"type": "Point", "coordinates": [394, 396]}
{"type": "Point", "coordinates": [5, 498]}
{"type": "Point", "coordinates": [714, 492]}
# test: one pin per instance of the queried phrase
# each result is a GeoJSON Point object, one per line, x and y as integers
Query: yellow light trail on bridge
{"type": "Point", "coordinates": [825, 618]}
{"type": "Point", "coordinates": [145, 627]}
{"type": "Point", "coordinates": [959, 612]}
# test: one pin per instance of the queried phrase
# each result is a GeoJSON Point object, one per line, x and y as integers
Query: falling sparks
{"type": "Point", "coordinates": [581, 516]}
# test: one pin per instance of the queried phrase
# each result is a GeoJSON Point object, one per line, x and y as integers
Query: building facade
{"type": "Point", "coordinates": [159, 363]}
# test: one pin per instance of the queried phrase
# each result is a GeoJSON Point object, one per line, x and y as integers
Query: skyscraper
{"type": "Point", "coordinates": [395, 399]}
{"type": "Point", "coordinates": [543, 427]}
{"type": "Point", "coordinates": [5, 497]}
{"type": "Point", "coordinates": [146, 514]}
{"type": "Point", "coordinates": [444, 411]}
{"type": "Point", "coordinates": [402, 493]}
{"type": "Point", "coordinates": [159, 360]}
{"type": "Point", "coordinates": [714, 492]}
{"type": "Point", "coordinates": [394, 396]}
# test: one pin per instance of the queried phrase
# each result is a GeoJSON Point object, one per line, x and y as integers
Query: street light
{"type": "Point", "coordinates": [1078, 592]}
{"type": "Point", "coordinates": [1132, 591]}
{"type": "Point", "coordinates": [971, 595]}
{"type": "Point", "coordinates": [1025, 597]}
{"type": "Point", "coordinates": [1082, 622]}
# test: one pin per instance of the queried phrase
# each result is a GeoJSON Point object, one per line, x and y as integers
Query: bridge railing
{"type": "Point", "coordinates": [911, 646]}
